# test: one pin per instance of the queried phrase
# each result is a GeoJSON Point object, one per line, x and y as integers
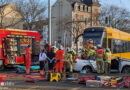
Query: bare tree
{"type": "Point", "coordinates": [9, 17]}
{"type": "Point", "coordinates": [75, 28]}
{"type": "Point", "coordinates": [32, 10]}
{"type": "Point", "coordinates": [115, 17]}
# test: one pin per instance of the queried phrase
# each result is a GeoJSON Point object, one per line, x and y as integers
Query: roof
{"type": "Point", "coordinates": [6, 5]}
{"type": "Point", "coordinates": [87, 2]}
{"type": "Point", "coordinates": [72, 1]}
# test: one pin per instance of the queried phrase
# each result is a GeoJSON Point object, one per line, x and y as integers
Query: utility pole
{"type": "Point", "coordinates": [49, 17]}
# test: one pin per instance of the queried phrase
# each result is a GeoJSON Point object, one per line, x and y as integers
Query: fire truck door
{"type": "Point", "coordinates": [4, 47]}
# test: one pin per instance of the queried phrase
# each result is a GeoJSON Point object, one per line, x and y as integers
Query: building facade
{"type": "Point", "coordinates": [42, 27]}
{"type": "Point", "coordinates": [10, 17]}
{"type": "Point", "coordinates": [70, 18]}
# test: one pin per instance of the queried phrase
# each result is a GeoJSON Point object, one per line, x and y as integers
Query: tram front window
{"type": "Point", "coordinates": [94, 35]}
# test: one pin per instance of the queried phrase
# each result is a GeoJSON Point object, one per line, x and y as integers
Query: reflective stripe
{"type": "Point", "coordinates": [108, 57]}
{"type": "Point", "coordinates": [59, 55]}
{"type": "Point", "coordinates": [99, 56]}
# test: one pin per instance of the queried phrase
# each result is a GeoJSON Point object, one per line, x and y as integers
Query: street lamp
{"type": "Point", "coordinates": [49, 17]}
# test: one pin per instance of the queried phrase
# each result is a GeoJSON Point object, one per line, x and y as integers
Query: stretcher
{"type": "Point", "coordinates": [22, 69]}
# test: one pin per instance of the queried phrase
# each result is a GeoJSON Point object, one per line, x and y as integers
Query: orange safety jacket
{"type": "Point", "coordinates": [28, 54]}
{"type": "Point", "coordinates": [60, 55]}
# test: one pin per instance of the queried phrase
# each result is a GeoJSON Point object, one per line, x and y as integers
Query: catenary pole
{"type": "Point", "coordinates": [49, 17]}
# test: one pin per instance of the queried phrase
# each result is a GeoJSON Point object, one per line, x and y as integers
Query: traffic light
{"type": "Point", "coordinates": [86, 21]}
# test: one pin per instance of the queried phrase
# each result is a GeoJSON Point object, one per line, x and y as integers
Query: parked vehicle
{"type": "Point", "coordinates": [87, 65]}
{"type": "Point", "coordinates": [90, 66]}
{"type": "Point", "coordinates": [13, 43]}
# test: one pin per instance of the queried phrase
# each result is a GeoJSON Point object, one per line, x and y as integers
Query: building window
{"type": "Point", "coordinates": [75, 7]}
{"type": "Point", "coordinates": [89, 9]}
{"type": "Point", "coordinates": [86, 9]}
{"type": "Point", "coordinates": [74, 19]}
{"type": "Point", "coordinates": [89, 19]}
{"type": "Point", "coordinates": [59, 37]}
{"type": "Point", "coordinates": [80, 26]}
{"type": "Point", "coordinates": [81, 17]}
{"type": "Point", "coordinates": [76, 16]}
{"type": "Point", "coordinates": [81, 43]}
{"type": "Point", "coordinates": [96, 11]}
{"type": "Point", "coordinates": [78, 8]}
{"type": "Point", "coordinates": [81, 7]}
{"type": "Point", "coordinates": [86, 20]}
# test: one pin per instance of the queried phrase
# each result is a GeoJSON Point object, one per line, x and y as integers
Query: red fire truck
{"type": "Point", "coordinates": [13, 44]}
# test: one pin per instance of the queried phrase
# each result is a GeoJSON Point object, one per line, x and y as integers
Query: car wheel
{"type": "Point", "coordinates": [88, 69]}
{"type": "Point", "coordinates": [126, 70]}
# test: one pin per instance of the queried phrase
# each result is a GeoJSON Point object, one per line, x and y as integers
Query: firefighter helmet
{"type": "Point", "coordinates": [98, 46]}
{"type": "Point", "coordinates": [107, 50]}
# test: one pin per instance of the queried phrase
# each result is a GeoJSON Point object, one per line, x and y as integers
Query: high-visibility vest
{"type": "Point", "coordinates": [99, 54]}
{"type": "Point", "coordinates": [108, 57]}
{"type": "Point", "coordinates": [92, 52]}
{"type": "Point", "coordinates": [69, 57]}
{"type": "Point", "coordinates": [60, 55]}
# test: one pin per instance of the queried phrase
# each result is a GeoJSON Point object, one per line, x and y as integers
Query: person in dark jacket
{"type": "Point", "coordinates": [51, 57]}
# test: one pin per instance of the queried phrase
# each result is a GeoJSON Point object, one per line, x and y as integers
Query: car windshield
{"type": "Point", "coordinates": [93, 35]}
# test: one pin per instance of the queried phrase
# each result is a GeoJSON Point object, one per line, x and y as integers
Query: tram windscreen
{"type": "Point", "coordinates": [94, 34]}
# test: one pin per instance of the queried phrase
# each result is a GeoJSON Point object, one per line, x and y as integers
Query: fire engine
{"type": "Point", "coordinates": [13, 43]}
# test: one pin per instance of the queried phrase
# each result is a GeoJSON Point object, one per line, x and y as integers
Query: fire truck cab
{"type": "Point", "coordinates": [13, 44]}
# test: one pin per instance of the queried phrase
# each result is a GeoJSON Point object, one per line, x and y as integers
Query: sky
{"type": "Point", "coordinates": [120, 3]}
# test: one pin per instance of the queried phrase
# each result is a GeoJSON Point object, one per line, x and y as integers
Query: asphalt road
{"type": "Point", "coordinates": [45, 85]}
{"type": "Point", "coordinates": [19, 83]}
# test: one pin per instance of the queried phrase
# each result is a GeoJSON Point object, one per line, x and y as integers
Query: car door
{"type": "Point", "coordinates": [93, 64]}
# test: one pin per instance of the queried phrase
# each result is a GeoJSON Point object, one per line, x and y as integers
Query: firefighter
{"type": "Point", "coordinates": [107, 60]}
{"type": "Point", "coordinates": [92, 53]}
{"type": "Point", "coordinates": [90, 50]}
{"type": "Point", "coordinates": [60, 59]}
{"type": "Point", "coordinates": [54, 49]}
{"type": "Point", "coordinates": [90, 43]}
{"type": "Point", "coordinates": [87, 44]}
{"type": "Point", "coordinates": [85, 51]}
{"type": "Point", "coordinates": [69, 58]}
{"type": "Point", "coordinates": [99, 59]}
{"type": "Point", "coordinates": [28, 59]}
